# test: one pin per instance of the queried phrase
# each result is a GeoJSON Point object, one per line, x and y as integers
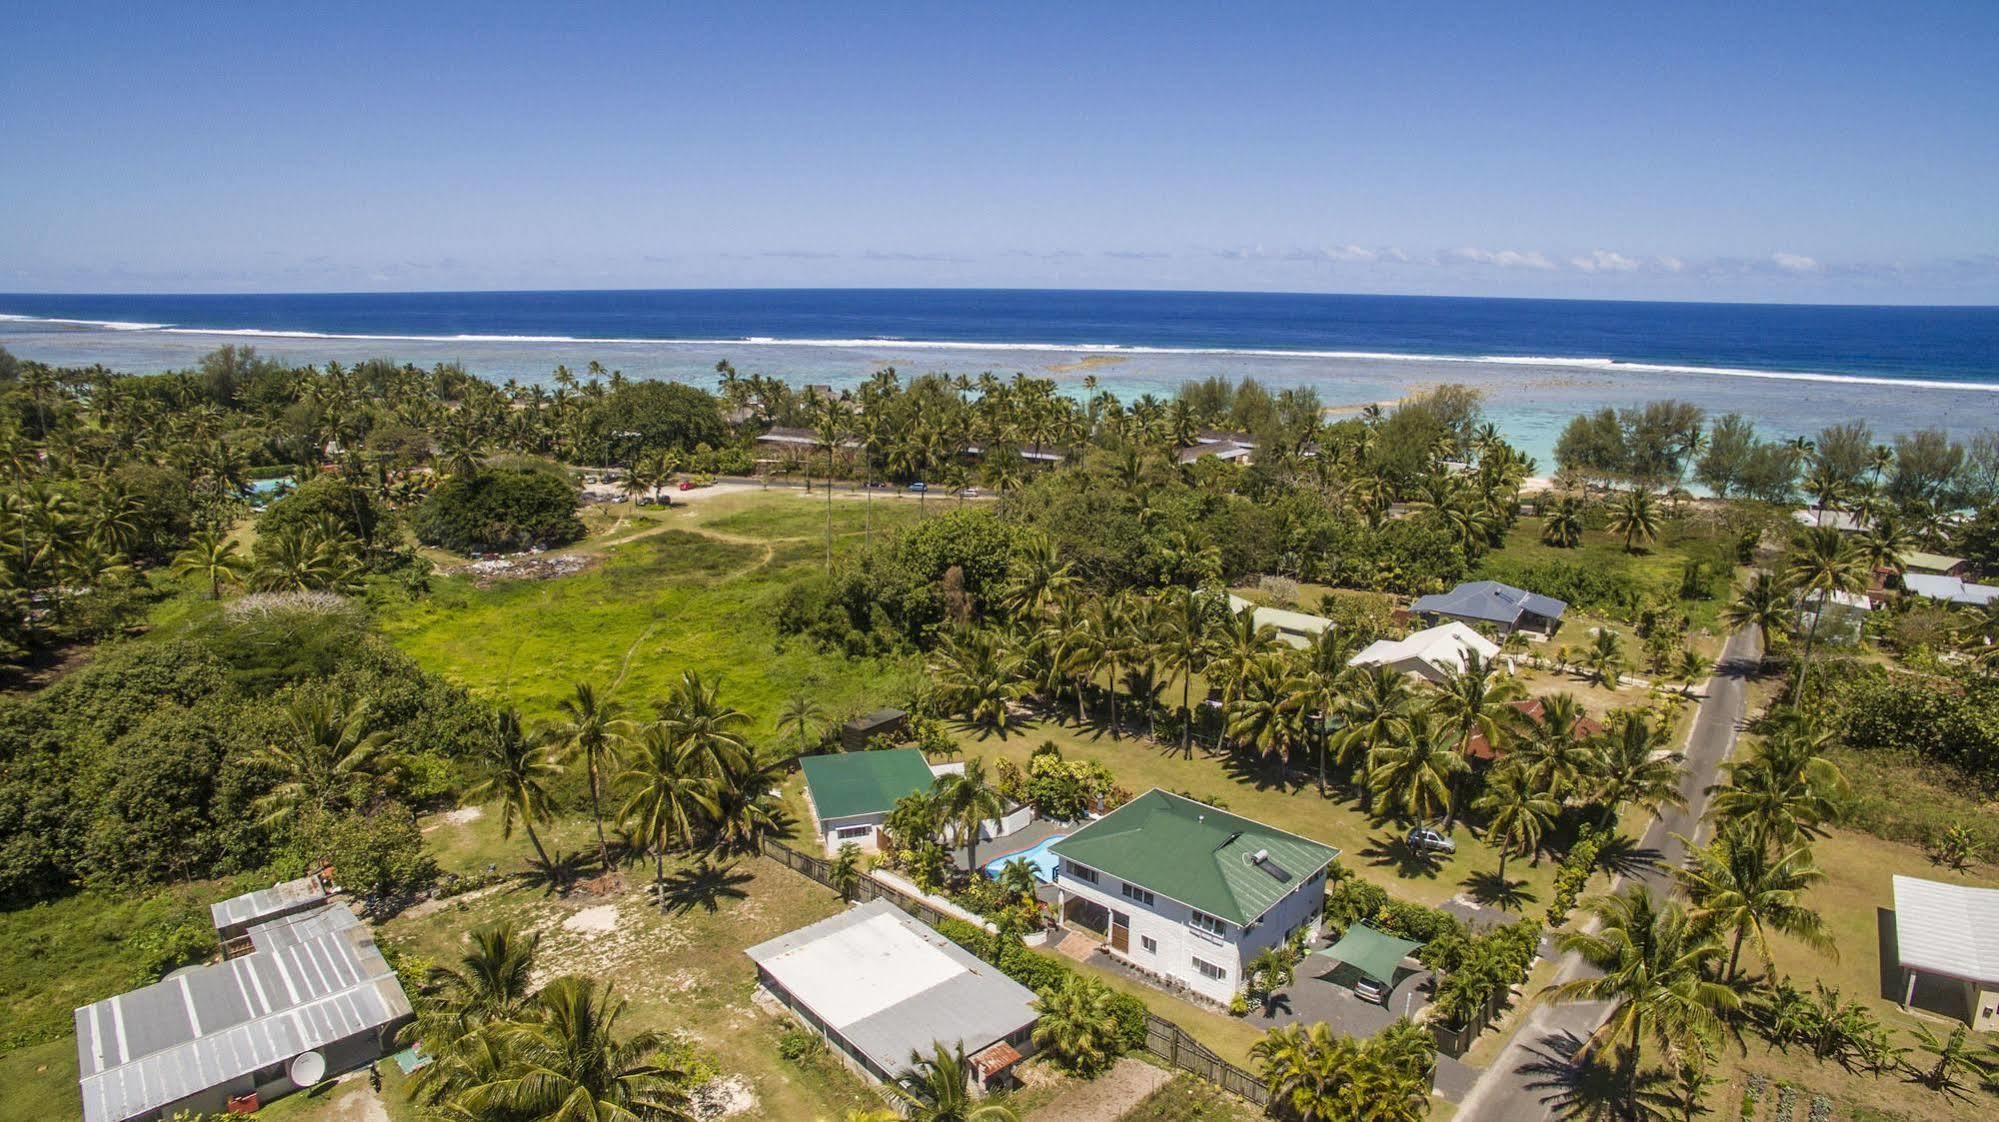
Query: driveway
{"type": "Point", "coordinates": [1537, 1060]}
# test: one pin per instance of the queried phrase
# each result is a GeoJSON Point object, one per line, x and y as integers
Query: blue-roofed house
{"type": "Point", "coordinates": [1500, 606]}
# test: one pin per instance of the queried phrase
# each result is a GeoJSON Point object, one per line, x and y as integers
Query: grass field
{"type": "Point", "coordinates": [695, 590]}
{"type": "Point", "coordinates": [1187, 1099]}
{"type": "Point", "coordinates": [1655, 567]}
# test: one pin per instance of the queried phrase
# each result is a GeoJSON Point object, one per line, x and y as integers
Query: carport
{"type": "Point", "coordinates": [1375, 954]}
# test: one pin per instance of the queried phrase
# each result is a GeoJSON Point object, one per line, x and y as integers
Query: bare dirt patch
{"type": "Point", "coordinates": [523, 566]}
{"type": "Point", "coordinates": [1110, 1096]}
{"type": "Point", "coordinates": [725, 1097]}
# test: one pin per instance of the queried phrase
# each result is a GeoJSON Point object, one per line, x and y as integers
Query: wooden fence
{"type": "Point", "coordinates": [1163, 1038]}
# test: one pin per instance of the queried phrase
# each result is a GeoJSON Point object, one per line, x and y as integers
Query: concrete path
{"type": "Point", "coordinates": [1516, 1084]}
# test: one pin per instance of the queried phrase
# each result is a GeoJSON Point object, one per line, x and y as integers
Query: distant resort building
{"type": "Point", "coordinates": [879, 986]}
{"type": "Point", "coordinates": [1951, 590]}
{"type": "Point", "coordinates": [305, 995]}
{"type": "Point", "coordinates": [1502, 606]}
{"type": "Point", "coordinates": [1828, 519]}
{"type": "Point", "coordinates": [1186, 892]}
{"type": "Point", "coordinates": [1228, 451]}
{"type": "Point", "coordinates": [1296, 629]}
{"type": "Point", "coordinates": [1432, 654]}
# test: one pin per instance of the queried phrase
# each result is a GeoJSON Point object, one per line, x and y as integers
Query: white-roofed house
{"type": "Point", "coordinates": [1295, 629]}
{"type": "Point", "coordinates": [1950, 933]}
{"type": "Point", "coordinates": [1952, 590]}
{"type": "Point", "coordinates": [1433, 653]}
{"type": "Point", "coordinates": [878, 986]}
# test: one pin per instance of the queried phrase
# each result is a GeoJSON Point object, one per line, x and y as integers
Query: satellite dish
{"type": "Point", "coordinates": [307, 1069]}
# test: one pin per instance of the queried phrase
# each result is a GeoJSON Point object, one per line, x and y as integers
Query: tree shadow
{"type": "Point", "coordinates": [1621, 856]}
{"type": "Point", "coordinates": [703, 885]}
{"type": "Point", "coordinates": [560, 871]}
{"type": "Point", "coordinates": [1255, 769]}
{"type": "Point", "coordinates": [1407, 860]}
{"type": "Point", "coordinates": [1490, 888]}
{"type": "Point", "coordinates": [1575, 1085]}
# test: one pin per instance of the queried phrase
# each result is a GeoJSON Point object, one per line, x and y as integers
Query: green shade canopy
{"type": "Point", "coordinates": [1373, 953]}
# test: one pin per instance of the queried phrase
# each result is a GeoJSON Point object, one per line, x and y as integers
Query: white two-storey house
{"type": "Point", "coordinates": [1188, 892]}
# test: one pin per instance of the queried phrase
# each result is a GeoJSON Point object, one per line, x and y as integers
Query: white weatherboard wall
{"type": "Point", "coordinates": [1170, 924]}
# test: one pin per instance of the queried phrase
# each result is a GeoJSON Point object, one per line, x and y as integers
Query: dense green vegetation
{"type": "Point", "coordinates": [215, 695]}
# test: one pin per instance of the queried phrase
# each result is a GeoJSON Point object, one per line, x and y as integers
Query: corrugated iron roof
{"type": "Point", "coordinates": [311, 980]}
{"type": "Point", "coordinates": [264, 903]}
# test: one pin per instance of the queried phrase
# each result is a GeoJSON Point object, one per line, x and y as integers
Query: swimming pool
{"type": "Point", "coordinates": [1043, 861]}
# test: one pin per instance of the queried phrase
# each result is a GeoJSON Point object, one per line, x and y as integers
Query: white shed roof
{"type": "Point", "coordinates": [1949, 929]}
{"type": "Point", "coordinates": [891, 986]}
{"type": "Point", "coordinates": [1444, 646]}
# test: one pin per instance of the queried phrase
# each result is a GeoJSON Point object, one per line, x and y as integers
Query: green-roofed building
{"type": "Point", "coordinates": [851, 793]}
{"type": "Point", "coordinates": [1189, 892]}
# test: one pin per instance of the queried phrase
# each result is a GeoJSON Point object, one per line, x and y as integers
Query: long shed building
{"type": "Point", "coordinates": [312, 998]}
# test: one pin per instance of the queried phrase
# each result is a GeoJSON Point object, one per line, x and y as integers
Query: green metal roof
{"type": "Point", "coordinates": [852, 783]}
{"type": "Point", "coordinates": [1373, 953]}
{"type": "Point", "coordinates": [1196, 854]}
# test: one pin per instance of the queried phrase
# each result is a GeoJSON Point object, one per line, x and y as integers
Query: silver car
{"type": "Point", "coordinates": [1426, 840]}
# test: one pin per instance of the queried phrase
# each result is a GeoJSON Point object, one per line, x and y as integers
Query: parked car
{"type": "Point", "coordinates": [1425, 840]}
{"type": "Point", "coordinates": [919, 487]}
{"type": "Point", "coordinates": [687, 484]}
{"type": "Point", "coordinates": [1367, 989]}
{"type": "Point", "coordinates": [970, 493]}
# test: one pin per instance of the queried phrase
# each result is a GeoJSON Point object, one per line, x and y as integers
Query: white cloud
{"type": "Point", "coordinates": [1604, 261]}
{"type": "Point", "coordinates": [1672, 264]}
{"type": "Point", "coordinates": [1796, 263]}
{"type": "Point", "coordinates": [1501, 258]}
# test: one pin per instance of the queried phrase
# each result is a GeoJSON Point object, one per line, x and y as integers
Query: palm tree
{"type": "Point", "coordinates": [1635, 517]}
{"type": "Point", "coordinates": [1183, 651]}
{"type": "Point", "coordinates": [521, 772]}
{"type": "Point", "coordinates": [1884, 544]}
{"type": "Point", "coordinates": [1785, 793]}
{"type": "Point", "coordinates": [845, 874]}
{"type": "Point", "coordinates": [942, 1083]}
{"type": "Point", "coordinates": [1737, 886]}
{"type": "Point", "coordinates": [1304, 1067]}
{"type": "Point", "coordinates": [213, 557]}
{"type": "Point", "coordinates": [671, 793]}
{"type": "Point", "coordinates": [494, 979]}
{"type": "Point", "coordinates": [968, 800]}
{"type": "Point", "coordinates": [568, 1064]}
{"type": "Point", "coordinates": [1764, 604]}
{"type": "Point", "coordinates": [802, 714]}
{"type": "Point", "coordinates": [1656, 969]}
{"type": "Point", "coordinates": [1517, 814]}
{"type": "Point", "coordinates": [693, 712]}
{"type": "Point", "coordinates": [323, 752]}
{"type": "Point", "coordinates": [1413, 774]}
{"type": "Point", "coordinates": [1822, 564]}
{"type": "Point", "coordinates": [1375, 708]}
{"type": "Point", "coordinates": [1478, 701]}
{"type": "Point", "coordinates": [1562, 526]}
{"type": "Point", "coordinates": [1270, 970]}
{"type": "Point", "coordinates": [1604, 660]}
{"type": "Point", "coordinates": [1552, 757]}
{"type": "Point", "coordinates": [1078, 1025]}
{"type": "Point", "coordinates": [1633, 766]}
{"type": "Point", "coordinates": [592, 729]}
{"type": "Point", "coordinates": [978, 675]}
{"type": "Point", "coordinates": [1236, 648]}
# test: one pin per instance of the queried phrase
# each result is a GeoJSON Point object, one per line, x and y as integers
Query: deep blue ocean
{"type": "Point", "coordinates": [1791, 369]}
{"type": "Point", "coordinates": [1950, 344]}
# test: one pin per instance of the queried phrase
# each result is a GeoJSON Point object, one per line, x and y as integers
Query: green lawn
{"type": "Point", "coordinates": [1656, 567]}
{"type": "Point", "coordinates": [697, 593]}
{"type": "Point", "coordinates": [1188, 1099]}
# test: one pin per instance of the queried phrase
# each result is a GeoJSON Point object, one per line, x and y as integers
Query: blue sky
{"type": "Point", "coordinates": [1767, 151]}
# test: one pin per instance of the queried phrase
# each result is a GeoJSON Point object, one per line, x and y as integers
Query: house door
{"type": "Point", "coordinates": [1120, 931]}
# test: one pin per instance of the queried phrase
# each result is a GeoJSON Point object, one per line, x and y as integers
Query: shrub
{"type": "Point", "coordinates": [796, 1045]}
{"type": "Point", "coordinates": [501, 509]}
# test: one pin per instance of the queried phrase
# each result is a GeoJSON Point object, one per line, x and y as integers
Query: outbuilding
{"type": "Point", "coordinates": [855, 734]}
{"type": "Point", "coordinates": [312, 998]}
{"type": "Point", "coordinates": [879, 986]}
{"type": "Point", "coordinates": [851, 793]}
{"type": "Point", "coordinates": [1949, 933]}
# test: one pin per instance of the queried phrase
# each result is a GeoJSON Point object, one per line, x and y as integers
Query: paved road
{"type": "Point", "coordinates": [1516, 1084]}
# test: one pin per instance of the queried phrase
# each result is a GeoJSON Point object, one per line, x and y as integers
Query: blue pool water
{"type": "Point", "coordinates": [270, 486]}
{"type": "Point", "coordinates": [1044, 862]}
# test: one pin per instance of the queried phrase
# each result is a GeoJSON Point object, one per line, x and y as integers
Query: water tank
{"type": "Point", "coordinates": [307, 1069]}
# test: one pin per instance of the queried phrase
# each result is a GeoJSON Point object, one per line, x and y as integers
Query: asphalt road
{"type": "Point", "coordinates": [1531, 1069]}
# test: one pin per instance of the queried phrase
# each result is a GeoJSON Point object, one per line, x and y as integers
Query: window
{"type": "Point", "coordinates": [1209, 924]}
{"type": "Point", "coordinates": [1133, 892]}
{"type": "Point", "coordinates": [1210, 970]}
{"type": "Point", "coordinates": [1150, 944]}
{"type": "Point", "coordinates": [853, 831]}
{"type": "Point", "coordinates": [1082, 872]}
